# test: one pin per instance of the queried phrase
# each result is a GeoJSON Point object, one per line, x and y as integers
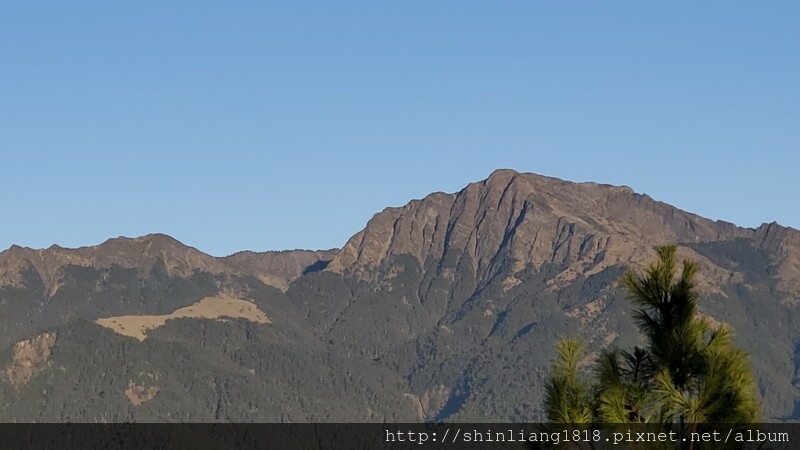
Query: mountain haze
{"type": "Point", "coordinates": [444, 309]}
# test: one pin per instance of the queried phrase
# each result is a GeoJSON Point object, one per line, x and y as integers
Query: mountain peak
{"type": "Point", "coordinates": [521, 219]}
{"type": "Point", "coordinates": [502, 174]}
{"type": "Point", "coordinates": [141, 253]}
{"type": "Point", "coordinates": [153, 239]}
{"type": "Point", "coordinates": [503, 177]}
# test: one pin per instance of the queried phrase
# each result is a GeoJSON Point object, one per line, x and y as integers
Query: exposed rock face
{"type": "Point", "coordinates": [531, 220]}
{"type": "Point", "coordinates": [30, 357]}
{"type": "Point", "coordinates": [139, 393]}
{"type": "Point", "coordinates": [430, 403]}
{"type": "Point", "coordinates": [783, 244]}
{"type": "Point", "coordinates": [524, 218]}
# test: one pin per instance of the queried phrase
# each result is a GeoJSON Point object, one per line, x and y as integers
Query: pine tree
{"type": "Point", "coordinates": [689, 372]}
{"type": "Point", "coordinates": [567, 395]}
{"type": "Point", "coordinates": [700, 376]}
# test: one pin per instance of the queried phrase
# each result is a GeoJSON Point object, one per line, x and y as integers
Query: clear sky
{"type": "Point", "coordinates": [273, 125]}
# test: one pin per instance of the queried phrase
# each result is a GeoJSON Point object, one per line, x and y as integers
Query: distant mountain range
{"type": "Point", "coordinates": [445, 309]}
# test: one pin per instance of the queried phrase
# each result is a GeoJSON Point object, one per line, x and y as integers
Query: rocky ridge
{"type": "Point", "coordinates": [143, 253]}
{"type": "Point", "coordinates": [445, 309]}
{"type": "Point", "coordinates": [534, 220]}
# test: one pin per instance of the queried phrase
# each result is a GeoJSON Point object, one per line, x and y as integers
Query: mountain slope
{"type": "Point", "coordinates": [499, 269]}
{"type": "Point", "coordinates": [528, 219]}
{"type": "Point", "coordinates": [444, 309]}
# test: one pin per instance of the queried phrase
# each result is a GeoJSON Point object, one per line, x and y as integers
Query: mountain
{"type": "Point", "coordinates": [280, 268]}
{"type": "Point", "coordinates": [444, 309]}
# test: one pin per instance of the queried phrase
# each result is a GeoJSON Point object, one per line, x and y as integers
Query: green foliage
{"type": "Point", "coordinates": [408, 330]}
{"type": "Point", "coordinates": [567, 396]}
{"type": "Point", "coordinates": [689, 371]}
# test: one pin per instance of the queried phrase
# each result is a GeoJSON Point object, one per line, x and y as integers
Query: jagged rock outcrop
{"type": "Point", "coordinates": [530, 220]}
{"type": "Point", "coordinates": [783, 246]}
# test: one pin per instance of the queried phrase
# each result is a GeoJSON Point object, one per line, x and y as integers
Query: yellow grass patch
{"type": "Point", "coordinates": [208, 308]}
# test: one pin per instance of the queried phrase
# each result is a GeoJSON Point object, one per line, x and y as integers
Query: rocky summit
{"type": "Point", "coordinates": [445, 309]}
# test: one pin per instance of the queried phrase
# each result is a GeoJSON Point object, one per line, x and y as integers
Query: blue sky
{"type": "Point", "coordinates": [274, 125]}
